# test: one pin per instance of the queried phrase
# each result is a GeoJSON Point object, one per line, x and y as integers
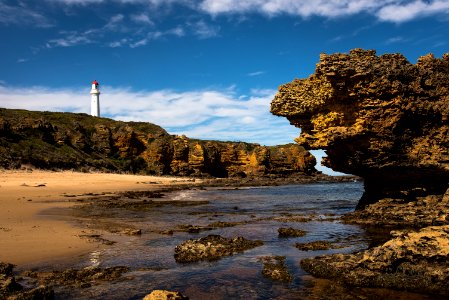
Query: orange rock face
{"type": "Point", "coordinates": [378, 117]}
{"type": "Point", "coordinates": [77, 141]}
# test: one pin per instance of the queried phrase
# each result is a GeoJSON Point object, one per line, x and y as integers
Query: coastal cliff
{"type": "Point", "coordinates": [386, 120]}
{"type": "Point", "coordinates": [378, 117]}
{"type": "Point", "coordinates": [51, 140]}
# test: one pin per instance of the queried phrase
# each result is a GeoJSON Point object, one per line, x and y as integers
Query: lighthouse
{"type": "Point", "coordinates": [95, 99]}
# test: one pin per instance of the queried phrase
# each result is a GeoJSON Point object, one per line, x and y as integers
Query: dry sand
{"type": "Point", "coordinates": [27, 236]}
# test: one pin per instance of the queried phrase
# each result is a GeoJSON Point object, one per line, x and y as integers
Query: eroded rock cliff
{"type": "Point", "coordinates": [81, 142]}
{"type": "Point", "coordinates": [378, 117]}
{"type": "Point", "coordinates": [386, 120]}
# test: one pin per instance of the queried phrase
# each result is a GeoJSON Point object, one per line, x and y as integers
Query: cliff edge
{"type": "Point", "coordinates": [50, 140]}
{"type": "Point", "coordinates": [378, 117]}
{"type": "Point", "coordinates": [386, 120]}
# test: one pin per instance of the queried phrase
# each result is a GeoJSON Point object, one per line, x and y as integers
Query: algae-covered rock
{"type": "Point", "coordinates": [413, 260]}
{"type": "Point", "coordinates": [165, 295]}
{"type": "Point", "coordinates": [274, 268]}
{"type": "Point", "coordinates": [290, 232]}
{"type": "Point", "coordinates": [212, 247]}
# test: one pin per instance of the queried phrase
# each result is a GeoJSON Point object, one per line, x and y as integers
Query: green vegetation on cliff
{"type": "Point", "coordinates": [50, 140]}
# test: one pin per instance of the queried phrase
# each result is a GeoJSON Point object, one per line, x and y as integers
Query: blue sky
{"type": "Point", "coordinates": [205, 68]}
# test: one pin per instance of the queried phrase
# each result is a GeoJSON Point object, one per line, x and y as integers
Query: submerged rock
{"type": "Point", "coordinates": [212, 247]}
{"type": "Point", "coordinates": [290, 232]}
{"type": "Point", "coordinates": [79, 277]}
{"type": "Point", "coordinates": [316, 245]}
{"type": "Point", "coordinates": [11, 289]}
{"type": "Point", "coordinates": [378, 117]}
{"type": "Point", "coordinates": [414, 261]}
{"type": "Point", "coordinates": [274, 268]}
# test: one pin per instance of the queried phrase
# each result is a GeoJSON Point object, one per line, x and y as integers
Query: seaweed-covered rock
{"type": "Point", "coordinates": [165, 295]}
{"type": "Point", "coordinates": [212, 247]}
{"type": "Point", "coordinates": [79, 277]}
{"type": "Point", "coordinates": [274, 267]}
{"type": "Point", "coordinates": [315, 245]}
{"type": "Point", "coordinates": [6, 269]}
{"type": "Point", "coordinates": [11, 289]}
{"type": "Point", "coordinates": [425, 211]}
{"type": "Point", "coordinates": [414, 261]}
{"type": "Point", "coordinates": [290, 232]}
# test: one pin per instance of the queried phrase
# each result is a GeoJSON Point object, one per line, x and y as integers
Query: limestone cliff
{"type": "Point", "coordinates": [386, 120]}
{"type": "Point", "coordinates": [378, 117]}
{"type": "Point", "coordinates": [81, 142]}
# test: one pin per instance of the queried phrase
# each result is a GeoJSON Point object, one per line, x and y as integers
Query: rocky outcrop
{"type": "Point", "coordinates": [81, 142]}
{"type": "Point", "coordinates": [212, 247]}
{"type": "Point", "coordinates": [275, 268]}
{"type": "Point", "coordinates": [286, 232]}
{"type": "Point", "coordinates": [424, 211]}
{"type": "Point", "coordinates": [378, 117]}
{"type": "Point", "coordinates": [386, 120]}
{"type": "Point", "coordinates": [165, 295]}
{"type": "Point", "coordinates": [11, 289]}
{"type": "Point", "coordinates": [414, 261]}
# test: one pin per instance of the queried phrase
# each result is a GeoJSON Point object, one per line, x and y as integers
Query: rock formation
{"type": "Point", "coordinates": [378, 117]}
{"type": "Point", "coordinates": [81, 142]}
{"type": "Point", "coordinates": [386, 120]}
{"type": "Point", "coordinates": [212, 247]}
{"type": "Point", "coordinates": [165, 295]}
{"type": "Point", "coordinates": [413, 261]}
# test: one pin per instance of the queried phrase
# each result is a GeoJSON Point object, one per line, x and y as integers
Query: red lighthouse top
{"type": "Point", "coordinates": [95, 82]}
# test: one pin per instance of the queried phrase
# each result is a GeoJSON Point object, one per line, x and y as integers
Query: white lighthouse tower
{"type": "Point", "coordinates": [95, 99]}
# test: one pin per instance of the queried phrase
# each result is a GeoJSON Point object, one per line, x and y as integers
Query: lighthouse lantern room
{"type": "Point", "coordinates": [95, 99]}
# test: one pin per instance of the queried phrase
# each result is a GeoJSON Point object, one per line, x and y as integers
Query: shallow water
{"type": "Point", "coordinates": [150, 256]}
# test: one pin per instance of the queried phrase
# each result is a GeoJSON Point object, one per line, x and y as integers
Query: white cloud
{"type": "Point", "coordinates": [142, 18]}
{"type": "Point", "coordinates": [203, 30]}
{"type": "Point", "coordinates": [396, 39]}
{"type": "Point", "coordinates": [402, 12]}
{"type": "Point", "coordinates": [256, 73]}
{"type": "Point", "coordinates": [22, 15]}
{"type": "Point", "coordinates": [154, 35]}
{"type": "Point", "coordinates": [385, 10]}
{"type": "Point", "coordinates": [206, 114]}
{"type": "Point", "coordinates": [70, 39]}
{"type": "Point", "coordinates": [90, 36]}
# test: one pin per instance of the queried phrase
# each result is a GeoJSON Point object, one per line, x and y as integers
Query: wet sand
{"type": "Point", "coordinates": [27, 236]}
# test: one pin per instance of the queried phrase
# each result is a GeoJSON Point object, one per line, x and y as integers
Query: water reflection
{"type": "Point", "coordinates": [261, 212]}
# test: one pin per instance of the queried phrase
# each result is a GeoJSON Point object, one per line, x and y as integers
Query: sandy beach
{"type": "Point", "coordinates": [27, 236]}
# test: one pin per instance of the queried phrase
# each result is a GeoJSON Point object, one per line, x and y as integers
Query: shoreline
{"type": "Point", "coordinates": [30, 236]}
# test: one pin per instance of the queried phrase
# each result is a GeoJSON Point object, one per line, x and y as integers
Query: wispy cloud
{"type": "Point", "coordinates": [69, 39]}
{"type": "Point", "coordinates": [206, 114]}
{"type": "Point", "coordinates": [154, 35]}
{"type": "Point", "coordinates": [93, 35]}
{"type": "Point", "coordinates": [385, 10]}
{"type": "Point", "coordinates": [22, 15]}
{"type": "Point", "coordinates": [395, 39]}
{"type": "Point", "coordinates": [204, 30]}
{"type": "Point", "coordinates": [256, 73]}
{"type": "Point", "coordinates": [142, 19]}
